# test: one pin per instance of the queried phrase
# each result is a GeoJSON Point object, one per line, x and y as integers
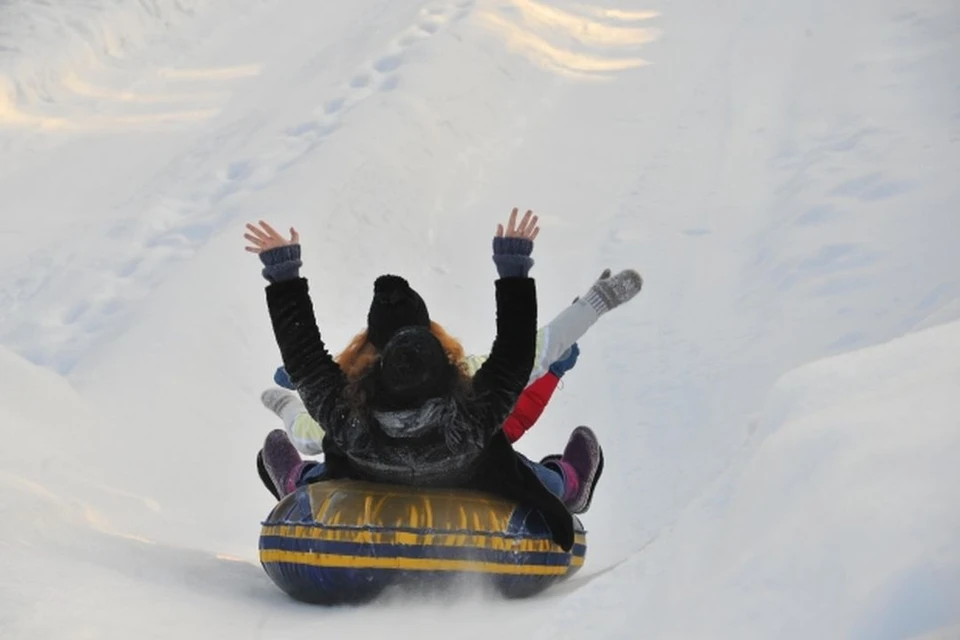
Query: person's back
{"type": "Point", "coordinates": [415, 418]}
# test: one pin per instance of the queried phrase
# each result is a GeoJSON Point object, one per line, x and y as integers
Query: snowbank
{"type": "Point", "coordinates": [42, 418]}
{"type": "Point", "coordinates": [72, 553]}
{"type": "Point", "coordinates": [840, 520]}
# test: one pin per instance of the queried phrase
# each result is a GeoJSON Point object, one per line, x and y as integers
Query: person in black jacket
{"type": "Point", "coordinates": [416, 418]}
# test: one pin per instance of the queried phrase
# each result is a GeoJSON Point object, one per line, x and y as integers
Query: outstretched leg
{"type": "Point", "coordinates": [304, 432]}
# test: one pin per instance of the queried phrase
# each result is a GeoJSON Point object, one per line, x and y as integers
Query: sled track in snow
{"type": "Point", "coordinates": [53, 317]}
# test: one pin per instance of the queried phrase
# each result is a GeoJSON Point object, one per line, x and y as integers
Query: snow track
{"type": "Point", "coordinates": [197, 195]}
{"type": "Point", "coordinates": [782, 175]}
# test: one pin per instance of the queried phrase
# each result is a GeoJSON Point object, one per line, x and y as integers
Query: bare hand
{"type": "Point", "coordinates": [528, 228]}
{"type": "Point", "coordinates": [266, 238]}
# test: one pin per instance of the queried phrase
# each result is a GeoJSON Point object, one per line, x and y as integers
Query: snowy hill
{"type": "Point", "coordinates": [837, 519]}
{"type": "Point", "coordinates": [776, 405]}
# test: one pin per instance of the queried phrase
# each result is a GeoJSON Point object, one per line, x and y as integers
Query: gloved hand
{"type": "Point", "coordinates": [566, 361]}
{"type": "Point", "coordinates": [282, 379]}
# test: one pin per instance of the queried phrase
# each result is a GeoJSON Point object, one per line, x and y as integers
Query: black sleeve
{"type": "Point", "coordinates": [317, 377]}
{"type": "Point", "coordinates": [504, 375]}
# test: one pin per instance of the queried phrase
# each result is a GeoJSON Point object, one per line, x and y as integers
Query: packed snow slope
{"type": "Point", "coordinates": [777, 406]}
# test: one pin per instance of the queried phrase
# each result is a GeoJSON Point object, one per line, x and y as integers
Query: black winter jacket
{"type": "Point", "coordinates": [443, 444]}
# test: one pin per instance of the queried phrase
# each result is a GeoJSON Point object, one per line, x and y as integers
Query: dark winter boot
{"type": "Point", "coordinates": [265, 477]}
{"type": "Point", "coordinates": [580, 465]}
{"type": "Point", "coordinates": [282, 462]}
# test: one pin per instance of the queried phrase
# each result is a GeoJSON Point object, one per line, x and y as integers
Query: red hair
{"type": "Point", "coordinates": [359, 354]}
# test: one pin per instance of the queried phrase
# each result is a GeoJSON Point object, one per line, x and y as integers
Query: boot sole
{"type": "Point", "coordinates": [265, 477]}
{"type": "Point", "coordinates": [596, 475]}
{"type": "Point", "coordinates": [596, 479]}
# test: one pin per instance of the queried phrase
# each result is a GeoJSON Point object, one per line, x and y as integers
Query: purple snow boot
{"type": "Point", "coordinates": [580, 465]}
{"type": "Point", "coordinates": [282, 462]}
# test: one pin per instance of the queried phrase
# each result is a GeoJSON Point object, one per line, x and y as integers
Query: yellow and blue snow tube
{"type": "Point", "coordinates": [345, 541]}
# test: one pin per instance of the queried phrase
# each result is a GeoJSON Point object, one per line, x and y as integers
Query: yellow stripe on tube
{"type": "Point", "coordinates": [330, 560]}
{"type": "Point", "coordinates": [364, 536]}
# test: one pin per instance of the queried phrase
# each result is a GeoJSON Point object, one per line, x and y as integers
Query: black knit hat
{"type": "Point", "coordinates": [395, 306]}
{"type": "Point", "coordinates": [413, 369]}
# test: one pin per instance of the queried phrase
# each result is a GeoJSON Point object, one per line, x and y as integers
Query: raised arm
{"type": "Point", "coordinates": [530, 406]}
{"type": "Point", "coordinates": [502, 377]}
{"type": "Point", "coordinates": [534, 399]}
{"type": "Point", "coordinates": [312, 370]}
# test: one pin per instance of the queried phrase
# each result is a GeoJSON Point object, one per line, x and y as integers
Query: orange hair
{"type": "Point", "coordinates": [359, 354]}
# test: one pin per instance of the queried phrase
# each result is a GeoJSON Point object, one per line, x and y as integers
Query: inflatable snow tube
{"type": "Point", "coordinates": [345, 541]}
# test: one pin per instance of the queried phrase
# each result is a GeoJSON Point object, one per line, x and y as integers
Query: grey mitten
{"type": "Point", "coordinates": [609, 292]}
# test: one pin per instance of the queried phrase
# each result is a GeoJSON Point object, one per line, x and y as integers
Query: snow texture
{"type": "Point", "coordinates": [777, 407]}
